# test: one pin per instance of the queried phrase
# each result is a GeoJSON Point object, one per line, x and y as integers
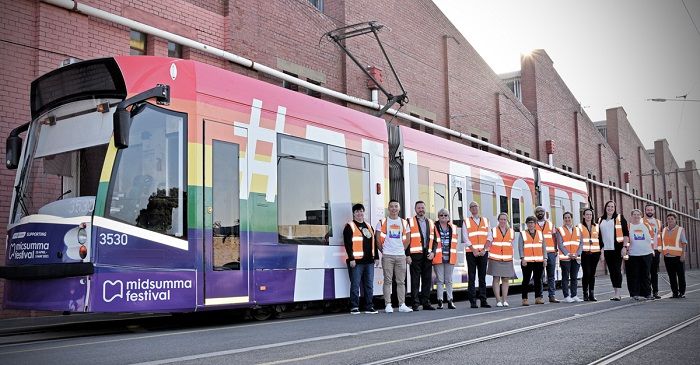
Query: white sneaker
{"type": "Point", "coordinates": [403, 308]}
{"type": "Point", "coordinates": [576, 299]}
{"type": "Point", "coordinates": [568, 300]}
{"type": "Point", "coordinates": [505, 304]}
{"type": "Point", "coordinates": [389, 309]}
{"type": "Point", "coordinates": [499, 304]}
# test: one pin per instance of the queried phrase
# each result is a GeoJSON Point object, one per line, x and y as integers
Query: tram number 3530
{"type": "Point", "coordinates": [113, 239]}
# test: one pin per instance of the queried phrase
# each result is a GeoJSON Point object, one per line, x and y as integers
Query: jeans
{"type": "Point", "coordinates": [394, 267]}
{"type": "Point", "coordinates": [444, 277]}
{"type": "Point", "coordinates": [656, 260]}
{"type": "Point", "coordinates": [475, 263]}
{"type": "Point", "coordinates": [589, 264]}
{"type": "Point", "coordinates": [362, 275]}
{"type": "Point", "coordinates": [569, 277]}
{"type": "Point", "coordinates": [676, 274]}
{"type": "Point", "coordinates": [551, 271]}
{"type": "Point", "coordinates": [534, 270]}
{"type": "Point", "coordinates": [421, 276]}
{"type": "Point", "coordinates": [638, 281]}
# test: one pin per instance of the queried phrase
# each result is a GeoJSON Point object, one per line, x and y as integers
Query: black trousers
{"type": "Point", "coordinates": [532, 270]}
{"type": "Point", "coordinates": [638, 279]}
{"type": "Point", "coordinates": [656, 260]}
{"type": "Point", "coordinates": [421, 277]}
{"type": "Point", "coordinates": [613, 260]}
{"type": "Point", "coordinates": [676, 274]}
{"type": "Point", "coordinates": [474, 264]}
{"type": "Point", "coordinates": [589, 264]}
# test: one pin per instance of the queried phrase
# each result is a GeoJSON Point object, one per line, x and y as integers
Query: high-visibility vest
{"type": "Point", "coordinates": [453, 247]}
{"type": "Point", "coordinates": [618, 229]}
{"type": "Point", "coordinates": [358, 251]}
{"type": "Point", "coordinates": [532, 246]}
{"type": "Point", "coordinates": [381, 237]}
{"type": "Point", "coordinates": [591, 240]}
{"type": "Point", "coordinates": [671, 241]}
{"type": "Point", "coordinates": [657, 236]}
{"type": "Point", "coordinates": [571, 241]}
{"type": "Point", "coordinates": [416, 245]}
{"type": "Point", "coordinates": [502, 245]}
{"type": "Point", "coordinates": [547, 232]}
{"type": "Point", "coordinates": [478, 233]}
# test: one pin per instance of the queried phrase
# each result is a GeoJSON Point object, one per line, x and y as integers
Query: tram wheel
{"type": "Point", "coordinates": [262, 313]}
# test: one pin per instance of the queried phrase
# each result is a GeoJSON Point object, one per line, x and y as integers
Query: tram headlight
{"type": "Point", "coordinates": [82, 236]}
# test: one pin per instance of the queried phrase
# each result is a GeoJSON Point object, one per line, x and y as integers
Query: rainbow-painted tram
{"type": "Point", "coordinates": [155, 184]}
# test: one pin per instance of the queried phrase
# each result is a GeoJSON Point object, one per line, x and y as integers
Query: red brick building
{"type": "Point", "coordinates": [447, 81]}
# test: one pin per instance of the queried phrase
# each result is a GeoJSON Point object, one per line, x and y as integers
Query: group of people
{"type": "Point", "coordinates": [424, 246]}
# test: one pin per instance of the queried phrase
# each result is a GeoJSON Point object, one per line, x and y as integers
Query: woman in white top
{"type": "Point", "coordinates": [613, 233]}
{"type": "Point", "coordinates": [640, 253]}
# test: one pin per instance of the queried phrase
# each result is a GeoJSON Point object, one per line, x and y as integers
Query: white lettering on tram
{"type": "Point", "coordinates": [142, 290]}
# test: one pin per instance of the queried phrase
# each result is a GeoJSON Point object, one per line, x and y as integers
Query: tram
{"type": "Point", "coordinates": [150, 184]}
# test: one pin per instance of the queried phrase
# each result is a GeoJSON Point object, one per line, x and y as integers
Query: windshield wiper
{"type": "Point", "coordinates": [20, 201]}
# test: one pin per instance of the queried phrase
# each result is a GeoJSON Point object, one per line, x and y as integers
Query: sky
{"type": "Point", "coordinates": [609, 53]}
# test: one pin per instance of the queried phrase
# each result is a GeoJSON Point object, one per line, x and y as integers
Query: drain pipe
{"type": "Point", "coordinates": [141, 27]}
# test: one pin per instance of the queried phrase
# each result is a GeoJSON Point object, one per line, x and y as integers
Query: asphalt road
{"type": "Point", "coordinates": [628, 332]}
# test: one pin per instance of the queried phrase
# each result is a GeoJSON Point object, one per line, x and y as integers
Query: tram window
{"type": "Point", "coordinates": [419, 183]}
{"type": "Point", "coordinates": [147, 188]}
{"type": "Point", "coordinates": [503, 204]}
{"type": "Point", "coordinates": [516, 214]}
{"type": "Point", "coordinates": [456, 200]}
{"type": "Point", "coordinates": [302, 197]}
{"type": "Point", "coordinates": [226, 247]}
{"type": "Point", "coordinates": [440, 196]}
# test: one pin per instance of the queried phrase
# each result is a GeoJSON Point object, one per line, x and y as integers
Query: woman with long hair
{"type": "Point", "coordinates": [445, 256]}
{"type": "Point", "coordinates": [614, 233]}
{"type": "Point", "coordinates": [590, 237]}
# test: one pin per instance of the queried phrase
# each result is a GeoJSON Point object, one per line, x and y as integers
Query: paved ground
{"type": "Point", "coordinates": [626, 332]}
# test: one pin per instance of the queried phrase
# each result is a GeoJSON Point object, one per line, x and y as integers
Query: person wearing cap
{"type": "Point", "coordinates": [674, 243]}
{"type": "Point", "coordinates": [546, 227]}
{"type": "Point", "coordinates": [533, 255]}
{"type": "Point", "coordinates": [476, 235]}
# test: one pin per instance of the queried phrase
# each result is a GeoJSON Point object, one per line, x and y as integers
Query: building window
{"type": "Point", "coordinates": [485, 148]}
{"type": "Point", "coordinates": [428, 129]}
{"type": "Point", "coordinates": [174, 50]}
{"type": "Point", "coordinates": [474, 144]}
{"type": "Point", "coordinates": [514, 86]}
{"type": "Point", "coordinates": [313, 93]}
{"type": "Point", "coordinates": [415, 125]}
{"type": "Point", "coordinates": [318, 4]}
{"type": "Point", "coordinates": [137, 43]}
{"type": "Point", "coordinates": [288, 85]}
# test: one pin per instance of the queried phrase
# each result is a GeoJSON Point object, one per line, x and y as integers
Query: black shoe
{"type": "Point", "coordinates": [485, 304]}
{"type": "Point", "coordinates": [473, 304]}
{"type": "Point", "coordinates": [591, 297]}
{"type": "Point", "coordinates": [585, 297]}
{"type": "Point", "coordinates": [657, 296]}
{"type": "Point", "coordinates": [675, 296]}
{"type": "Point", "coordinates": [682, 296]}
{"type": "Point", "coordinates": [371, 310]}
{"type": "Point", "coordinates": [416, 308]}
{"type": "Point", "coordinates": [439, 305]}
{"type": "Point", "coordinates": [451, 305]}
{"type": "Point", "coordinates": [428, 307]}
